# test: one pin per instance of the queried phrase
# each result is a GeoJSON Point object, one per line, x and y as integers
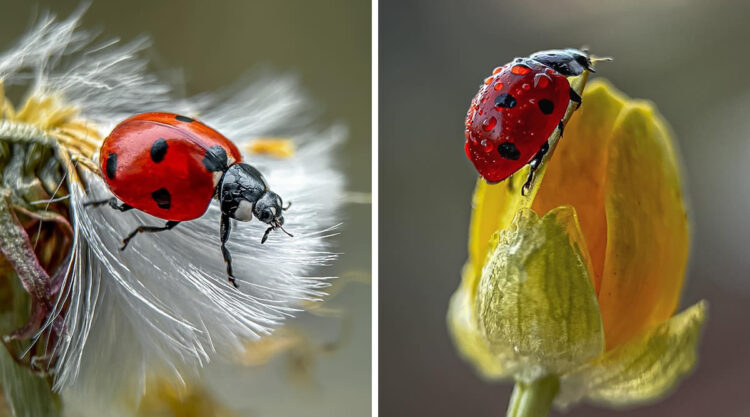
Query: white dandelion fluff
{"type": "Point", "coordinates": [164, 305]}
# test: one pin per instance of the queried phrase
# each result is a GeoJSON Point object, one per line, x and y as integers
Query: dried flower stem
{"type": "Point", "coordinates": [18, 250]}
{"type": "Point", "coordinates": [533, 399]}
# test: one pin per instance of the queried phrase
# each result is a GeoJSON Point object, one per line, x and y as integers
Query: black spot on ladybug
{"type": "Point", "coordinates": [505, 100]}
{"type": "Point", "coordinates": [184, 119]}
{"type": "Point", "coordinates": [509, 151]}
{"type": "Point", "coordinates": [111, 166]}
{"type": "Point", "coordinates": [162, 198]}
{"type": "Point", "coordinates": [215, 159]}
{"type": "Point", "coordinates": [158, 150]}
{"type": "Point", "coordinates": [546, 106]}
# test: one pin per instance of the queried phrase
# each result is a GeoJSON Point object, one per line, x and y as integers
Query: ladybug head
{"type": "Point", "coordinates": [269, 210]}
{"type": "Point", "coordinates": [244, 193]}
{"type": "Point", "coordinates": [568, 62]}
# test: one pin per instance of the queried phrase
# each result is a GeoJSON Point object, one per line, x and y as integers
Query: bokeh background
{"type": "Point", "coordinates": [207, 46]}
{"type": "Point", "coordinates": [688, 56]}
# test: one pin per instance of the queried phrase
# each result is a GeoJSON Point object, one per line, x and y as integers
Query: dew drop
{"type": "Point", "coordinates": [488, 80]}
{"type": "Point", "coordinates": [498, 86]}
{"type": "Point", "coordinates": [496, 70]}
{"type": "Point", "coordinates": [526, 87]}
{"type": "Point", "coordinates": [489, 124]}
{"type": "Point", "coordinates": [520, 70]}
{"type": "Point", "coordinates": [541, 81]}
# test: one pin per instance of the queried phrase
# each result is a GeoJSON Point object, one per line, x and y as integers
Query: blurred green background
{"type": "Point", "coordinates": [208, 46]}
{"type": "Point", "coordinates": [688, 56]}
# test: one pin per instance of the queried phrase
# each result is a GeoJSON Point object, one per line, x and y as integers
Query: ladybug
{"type": "Point", "coordinates": [517, 109]}
{"type": "Point", "coordinates": [171, 166]}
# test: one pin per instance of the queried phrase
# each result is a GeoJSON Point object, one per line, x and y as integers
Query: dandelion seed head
{"type": "Point", "coordinates": [164, 304]}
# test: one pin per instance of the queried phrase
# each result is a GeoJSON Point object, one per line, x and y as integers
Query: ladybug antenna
{"type": "Point", "coordinates": [288, 204]}
{"type": "Point", "coordinates": [283, 230]}
{"type": "Point", "coordinates": [595, 59]}
{"type": "Point", "coordinates": [274, 226]}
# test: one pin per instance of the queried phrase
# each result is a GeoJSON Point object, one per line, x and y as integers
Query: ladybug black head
{"type": "Point", "coordinates": [244, 193]}
{"type": "Point", "coordinates": [269, 210]}
{"type": "Point", "coordinates": [568, 62]}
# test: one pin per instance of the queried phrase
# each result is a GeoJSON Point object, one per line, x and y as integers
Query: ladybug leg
{"type": "Point", "coordinates": [575, 97]}
{"type": "Point", "coordinates": [147, 229]}
{"type": "Point", "coordinates": [224, 230]}
{"type": "Point", "coordinates": [112, 203]}
{"type": "Point", "coordinates": [534, 164]}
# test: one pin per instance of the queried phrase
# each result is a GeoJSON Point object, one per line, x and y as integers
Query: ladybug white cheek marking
{"type": "Point", "coordinates": [244, 211]}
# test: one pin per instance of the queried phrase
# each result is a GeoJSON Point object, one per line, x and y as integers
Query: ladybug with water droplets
{"type": "Point", "coordinates": [171, 166]}
{"type": "Point", "coordinates": [517, 109]}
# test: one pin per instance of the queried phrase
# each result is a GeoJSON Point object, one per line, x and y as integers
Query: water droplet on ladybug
{"type": "Point", "coordinates": [486, 146]}
{"type": "Point", "coordinates": [481, 112]}
{"type": "Point", "coordinates": [541, 81]}
{"type": "Point", "coordinates": [520, 70]}
{"type": "Point", "coordinates": [489, 124]}
{"type": "Point", "coordinates": [526, 87]}
{"type": "Point", "coordinates": [488, 80]}
{"type": "Point", "coordinates": [497, 70]}
{"type": "Point", "coordinates": [498, 86]}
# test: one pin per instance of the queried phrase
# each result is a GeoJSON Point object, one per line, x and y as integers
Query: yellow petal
{"type": "Point", "coordinates": [643, 369]}
{"type": "Point", "coordinates": [469, 343]}
{"type": "Point", "coordinates": [493, 208]}
{"type": "Point", "coordinates": [576, 173]}
{"type": "Point", "coordinates": [535, 304]}
{"type": "Point", "coordinates": [277, 147]}
{"type": "Point", "coordinates": [647, 230]}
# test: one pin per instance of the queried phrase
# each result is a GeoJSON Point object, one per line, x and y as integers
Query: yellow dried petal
{"type": "Point", "coordinates": [646, 367]}
{"type": "Point", "coordinates": [278, 147]}
{"type": "Point", "coordinates": [536, 305]}
{"type": "Point", "coordinates": [647, 229]}
{"type": "Point", "coordinates": [576, 174]}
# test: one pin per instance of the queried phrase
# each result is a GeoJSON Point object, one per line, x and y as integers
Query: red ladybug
{"type": "Point", "coordinates": [171, 166]}
{"type": "Point", "coordinates": [517, 108]}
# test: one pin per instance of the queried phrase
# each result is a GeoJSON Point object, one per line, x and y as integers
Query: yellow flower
{"type": "Point", "coordinates": [581, 279]}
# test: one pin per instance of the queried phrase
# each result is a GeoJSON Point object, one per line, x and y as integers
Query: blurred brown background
{"type": "Point", "coordinates": [689, 57]}
{"type": "Point", "coordinates": [208, 46]}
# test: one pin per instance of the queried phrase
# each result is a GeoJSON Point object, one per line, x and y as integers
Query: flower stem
{"type": "Point", "coordinates": [533, 399]}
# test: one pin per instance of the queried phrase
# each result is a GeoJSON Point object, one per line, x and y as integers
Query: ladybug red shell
{"type": "Point", "coordinates": [171, 166]}
{"type": "Point", "coordinates": [162, 164]}
{"type": "Point", "coordinates": [517, 109]}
